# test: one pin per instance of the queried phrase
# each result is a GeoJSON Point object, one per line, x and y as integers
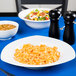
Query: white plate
{"type": "Point", "coordinates": [66, 51]}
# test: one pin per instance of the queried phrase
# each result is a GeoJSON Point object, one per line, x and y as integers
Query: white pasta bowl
{"type": "Point", "coordinates": [67, 53]}
{"type": "Point", "coordinates": [34, 24]}
{"type": "Point", "coordinates": [8, 34]}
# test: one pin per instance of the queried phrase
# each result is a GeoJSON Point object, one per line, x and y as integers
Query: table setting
{"type": "Point", "coordinates": [37, 42]}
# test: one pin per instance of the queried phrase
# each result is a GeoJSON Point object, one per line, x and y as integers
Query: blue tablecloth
{"type": "Point", "coordinates": [66, 69]}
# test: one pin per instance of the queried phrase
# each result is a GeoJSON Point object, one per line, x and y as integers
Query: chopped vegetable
{"type": "Point", "coordinates": [38, 15]}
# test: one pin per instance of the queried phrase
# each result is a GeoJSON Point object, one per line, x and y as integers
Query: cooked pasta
{"type": "Point", "coordinates": [36, 55]}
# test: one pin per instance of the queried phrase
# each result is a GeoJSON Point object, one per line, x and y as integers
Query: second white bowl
{"type": "Point", "coordinates": [8, 34]}
{"type": "Point", "coordinates": [34, 24]}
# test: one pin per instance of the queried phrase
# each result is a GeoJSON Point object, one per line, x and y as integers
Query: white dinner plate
{"type": "Point", "coordinates": [67, 53]}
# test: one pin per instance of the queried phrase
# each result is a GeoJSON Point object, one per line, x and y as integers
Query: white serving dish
{"type": "Point", "coordinates": [8, 34]}
{"type": "Point", "coordinates": [34, 24]}
{"type": "Point", "coordinates": [67, 53]}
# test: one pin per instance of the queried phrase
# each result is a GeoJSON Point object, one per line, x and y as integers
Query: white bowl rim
{"type": "Point", "coordinates": [40, 66]}
{"type": "Point", "coordinates": [9, 23]}
{"type": "Point", "coordinates": [32, 20]}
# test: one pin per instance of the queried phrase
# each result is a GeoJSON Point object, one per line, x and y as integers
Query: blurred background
{"type": "Point", "coordinates": [9, 5]}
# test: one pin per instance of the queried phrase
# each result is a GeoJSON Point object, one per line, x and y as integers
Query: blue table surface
{"type": "Point", "coordinates": [68, 68]}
